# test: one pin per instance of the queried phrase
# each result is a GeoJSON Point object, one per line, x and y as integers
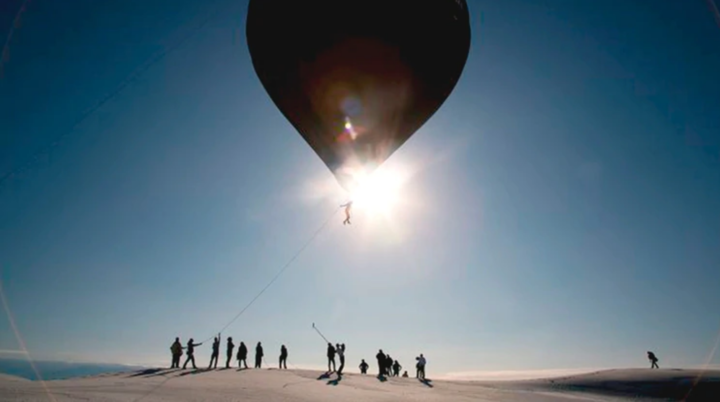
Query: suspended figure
{"type": "Point", "coordinates": [347, 207]}
{"type": "Point", "coordinates": [357, 78]}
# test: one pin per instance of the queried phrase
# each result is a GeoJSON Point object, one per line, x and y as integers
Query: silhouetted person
{"type": "Point", "coordinates": [258, 355]}
{"type": "Point", "coordinates": [421, 362]}
{"type": "Point", "coordinates": [191, 353]}
{"type": "Point", "coordinates": [405, 374]}
{"type": "Point", "coordinates": [363, 367]}
{"type": "Point", "coordinates": [651, 356]}
{"type": "Point", "coordinates": [242, 355]}
{"type": "Point", "coordinates": [283, 357]}
{"type": "Point", "coordinates": [347, 207]}
{"type": "Point", "coordinates": [341, 354]}
{"type": "Point", "coordinates": [381, 362]}
{"type": "Point", "coordinates": [230, 347]}
{"type": "Point", "coordinates": [176, 350]}
{"type": "Point", "coordinates": [215, 353]}
{"type": "Point", "coordinates": [396, 369]}
{"type": "Point", "coordinates": [331, 357]}
{"type": "Point", "coordinates": [388, 365]}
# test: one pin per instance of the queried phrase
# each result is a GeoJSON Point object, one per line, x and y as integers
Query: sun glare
{"type": "Point", "coordinates": [382, 198]}
{"type": "Point", "coordinates": [378, 193]}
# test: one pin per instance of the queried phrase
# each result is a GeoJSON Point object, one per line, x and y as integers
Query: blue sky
{"type": "Point", "coordinates": [559, 211]}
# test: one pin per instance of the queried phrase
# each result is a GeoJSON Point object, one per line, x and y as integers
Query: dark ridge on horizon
{"type": "Point", "coordinates": [59, 370]}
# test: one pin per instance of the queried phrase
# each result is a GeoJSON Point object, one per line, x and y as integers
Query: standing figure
{"type": "Point", "coordinates": [176, 350]}
{"type": "Point", "coordinates": [283, 357]}
{"type": "Point", "coordinates": [230, 347]}
{"type": "Point", "coordinates": [381, 362]}
{"type": "Point", "coordinates": [331, 357]}
{"type": "Point", "coordinates": [388, 365]}
{"type": "Point", "coordinates": [341, 354]}
{"type": "Point", "coordinates": [653, 359]}
{"type": "Point", "coordinates": [191, 353]}
{"type": "Point", "coordinates": [242, 355]}
{"type": "Point", "coordinates": [258, 355]}
{"type": "Point", "coordinates": [215, 353]}
{"type": "Point", "coordinates": [421, 362]}
{"type": "Point", "coordinates": [396, 369]}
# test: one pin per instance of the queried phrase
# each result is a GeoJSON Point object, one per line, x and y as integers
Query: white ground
{"type": "Point", "coordinates": [298, 385]}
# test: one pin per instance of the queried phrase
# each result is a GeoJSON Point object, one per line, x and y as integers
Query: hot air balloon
{"type": "Point", "coordinates": [357, 78]}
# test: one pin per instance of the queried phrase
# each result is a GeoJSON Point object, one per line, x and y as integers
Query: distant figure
{"type": "Point", "coordinates": [283, 357]}
{"type": "Point", "coordinates": [405, 374]}
{"type": "Point", "coordinates": [331, 357]}
{"type": "Point", "coordinates": [363, 367]}
{"type": "Point", "coordinates": [176, 350]}
{"type": "Point", "coordinates": [381, 362]}
{"type": "Point", "coordinates": [341, 354]}
{"type": "Point", "coordinates": [651, 356]}
{"type": "Point", "coordinates": [396, 369]}
{"type": "Point", "coordinates": [215, 353]}
{"type": "Point", "coordinates": [242, 355]}
{"type": "Point", "coordinates": [230, 347]}
{"type": "Point", "coordinates": [421, 362]}
{"type": "Point", "coordinates": [258, 355]}
{"type": "Point", "coordinates": [191, 353]}
{"type": "Point", "coordinates": [388, 365]}
{"type": "Point", "coordinates": [347, 207]}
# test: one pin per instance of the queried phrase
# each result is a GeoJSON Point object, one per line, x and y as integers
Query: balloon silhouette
{"type": "Point", "coordinates": [356, 78]}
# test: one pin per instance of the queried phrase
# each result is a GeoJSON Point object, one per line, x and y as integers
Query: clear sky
{"type": "Point", "coordinates": [561, 210]}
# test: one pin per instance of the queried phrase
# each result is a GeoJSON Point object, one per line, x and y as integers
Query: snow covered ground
{"type": "Point", "coordinates": [300, 385]}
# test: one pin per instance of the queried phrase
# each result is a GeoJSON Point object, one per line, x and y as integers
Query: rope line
{"type": "Point", "coordinates": [275, 278]}
{"type": "Point", "coordinates": [279, 273]}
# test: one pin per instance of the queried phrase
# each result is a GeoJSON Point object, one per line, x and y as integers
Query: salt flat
{"type": "Point", "coordinates": [300, 385]}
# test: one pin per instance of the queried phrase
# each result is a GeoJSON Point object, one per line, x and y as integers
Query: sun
{"type": "Point", "coordinates": [378, 193]}
{"type": "Point", "coordinates": [381, 197]}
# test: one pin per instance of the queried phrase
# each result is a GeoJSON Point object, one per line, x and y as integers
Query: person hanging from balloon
{"type": "Point", "coordinates": [347, 207]}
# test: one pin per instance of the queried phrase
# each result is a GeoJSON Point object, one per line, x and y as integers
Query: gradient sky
{"type": "Point", "coordinates": [561, 210]}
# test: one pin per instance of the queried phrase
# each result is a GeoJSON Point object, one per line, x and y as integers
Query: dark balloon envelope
{"type": "Point", "coordinates": [356, 78]}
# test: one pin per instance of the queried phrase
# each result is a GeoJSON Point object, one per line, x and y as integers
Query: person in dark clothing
{"type": "Point", "coordinates": [341, 354]}
{"type": "Point", "coordinates": [331, 357]}
{"type": "Point", "coordinates": [230, 347]}
{"type": "Point", "coordinates": [363, 367]}
{"type": "Point", "coordinates": [176, 349]}
{"type": "Point", "coordinates": [242, 355]}
{"type": "Point", "coordinates": [191, 353]}
{"type": "Point", "coordinates": [215, 353]}
{"type": "Point", "coordinates": [388, 365]}
{"type": "Point", "coordinates": [653, 359]}
{"type": "Point", "coordinates": [396, 369]}
{"type": "Point", "coordinates": [381, 362]}
{"type": "Point", "coordinates": [283, 357]}
{"type": "Point", "coordinates": [420, 366]}
{"type": "Point", "coordinates": [259, 355]}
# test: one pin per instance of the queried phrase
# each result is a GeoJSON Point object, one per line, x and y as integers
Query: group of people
{"type": "Point", "coordinates": [387, 366]}
{"type": "Point", "coordinates": [242, 353]}
{"type": "Point", "coordinates": [339, 350]}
